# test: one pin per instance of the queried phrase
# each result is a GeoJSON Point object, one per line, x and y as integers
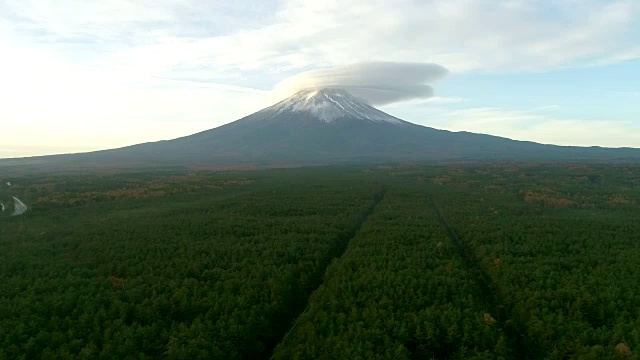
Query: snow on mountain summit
{"type": "Point", "coordinates": [329, 105]}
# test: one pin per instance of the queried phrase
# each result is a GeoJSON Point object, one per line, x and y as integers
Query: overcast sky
{"type": "Point", "coordinates": [84, 75]}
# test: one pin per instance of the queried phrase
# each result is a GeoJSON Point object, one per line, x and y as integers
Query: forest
{"type": "Point", "coordinates": [6, 200]}
{"type": "Point", "coordinates": [396, 261]}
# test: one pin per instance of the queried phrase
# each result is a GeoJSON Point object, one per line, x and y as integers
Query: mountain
{"type": "Point", "coordinates": [331, 125]}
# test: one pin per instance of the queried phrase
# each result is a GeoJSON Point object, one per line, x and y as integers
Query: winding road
{"type": "Point", "coordinates": [19, 207]}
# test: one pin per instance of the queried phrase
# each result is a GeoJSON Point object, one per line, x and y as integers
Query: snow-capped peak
{"type": "Point", "coordinates": [328, 105]}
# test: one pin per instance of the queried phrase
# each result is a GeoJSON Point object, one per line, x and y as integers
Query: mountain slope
{"type": "Point", "coordinates": [328, 125]}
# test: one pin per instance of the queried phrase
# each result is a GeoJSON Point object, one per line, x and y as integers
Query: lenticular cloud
{"type": "Point", "coordinates": [378, 83]}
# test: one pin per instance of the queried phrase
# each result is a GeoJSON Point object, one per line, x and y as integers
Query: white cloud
{"type": "Point", "coordinates": [214, 39]}
{"type": "Point", "coordinates": [88, 72]}
{"type": "Point", "coordinates": [549, 107]}
{"type": "Point", "coordinates": [44, 101]}
{"type": "Point", "coordinates": [443, 100]}
{"type": "Point", "coordinates": [462, 35]}
{"type": "Point", "coordinates": [430, 102]}
{"type": "Point", "coordinates": [378, 83]}
{"type": "Point", "coordinates": [532, 126]}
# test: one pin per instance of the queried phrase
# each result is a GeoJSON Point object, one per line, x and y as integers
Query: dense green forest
{"type": "Point", "coordinates": [475, 261]}
{"type": "Point", "coordinates": [562, 246]}
{"type": "Point", "coordinates": [6, 200]}
{"type": "Point", "coordinates": [399, 291]}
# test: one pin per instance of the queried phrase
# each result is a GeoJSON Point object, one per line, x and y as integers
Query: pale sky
{"type": "Point", "coordinates": [87, 75]}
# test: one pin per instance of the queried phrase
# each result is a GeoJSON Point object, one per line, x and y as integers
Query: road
{"type": "Point", "coordinates": [19, 207]}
